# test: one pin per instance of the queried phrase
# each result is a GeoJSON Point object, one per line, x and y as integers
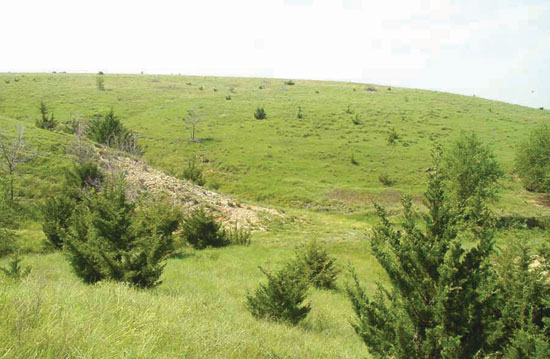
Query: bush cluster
{"type": "Point", "coordinates": [110, 238]}
{"type": "Point", "coordinates": [532, 164]}
{"type": "Point", "coordinates": [46, 120]}
{"type": "Point", "coordinates": [201, 230]}
{"type": "Point", "coordinates": [108, 130]}
{"type": "Point", "coordinates": [260, 114]}
{"type": "Point", "coordinates": [282, 297]}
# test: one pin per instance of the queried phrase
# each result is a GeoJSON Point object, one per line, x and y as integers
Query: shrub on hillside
{"type": "Point", "coordinates": [260, 114]}
{"type": "Point", "coordinates": [8, 243]}
{"type": "Point", "coordinates": [57, 212]}
{"type": "Point", "coordinates": [84, 176]}
{"type": "Point", "coordinates": [299, 115]}
{"type": "Point", "coordinates": [437, 305]}
{"type": "Point", "coordinates": [282, 297]}
{"type": "Point", "coordinates": [471, 173]}
{"type": "Point", "coordinates": [110, 239]}
{"type": "Point", "coordinates": [46, 120]}
{"type": "Point", "coordinates": [201, 230]}
{"type": "Point", "coordinates": [532, 164]}
{"type": "Point", "coordinates": [520, 325]}
{"type": "Point", "coordinates": [392, 137]}
{"type": "Point", "coordinates": [318, 266]}
{"type": "Point", "coordinates": [290, 83]}
{"type": "Point", "coordinates": [385, 179]}
{"type": "Point", "coordinates": [193, 173]}
{"type": "Point", "coordinates": [108, 130]}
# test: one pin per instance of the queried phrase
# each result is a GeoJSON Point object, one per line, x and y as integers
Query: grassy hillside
{"type": "Point", "coordinates": [284, 160]}
{"type": "Point", "coordinates": [301, 165]}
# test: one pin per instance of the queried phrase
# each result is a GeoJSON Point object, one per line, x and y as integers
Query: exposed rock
{"type": "Point", "coordinates": [143, 179]}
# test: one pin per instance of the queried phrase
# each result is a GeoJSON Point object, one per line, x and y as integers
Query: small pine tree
{"type": "Point", "coordinates": [57, 212]}
{"type": "Point", "coordinates": [532, 163]}
{"type": "Point", "coordinates": [318, 266]}
{"type": "Point", "coordinates": [392, 137]}
{"type": "Point", "coordinates": [520, 324]}
{"type": "Point", "coordinates": [260, 114]}
{"type": "Point", "coordinates": [201, 230]}
{"type": "Point", "coordinates": [45, 122]}
{"type": "Point", "coordinates": [109, 241]}
{"type": "Point", "coordinates": [84, 177]}
{"type": "Point", "coordinates": [436, 306]}
{"type": "Point", "coordinates": [300, 115]}
{"type": "Point", "coordinates": [108, 130]}
{"type": "Point", "coordinates": [471, 174]}
{"type": "Point", "coordinates": [282, 297]}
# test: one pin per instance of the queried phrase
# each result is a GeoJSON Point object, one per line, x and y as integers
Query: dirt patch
{"type": "Point", "coordinates": [386, 197]}
{"type": "Point", "coordinates": [144, 179]}
{"type": "Point", "coordinates": [542, 200]}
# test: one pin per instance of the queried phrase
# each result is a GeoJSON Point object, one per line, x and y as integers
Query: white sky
{"type": "Point", "coordinates": [498, 49]}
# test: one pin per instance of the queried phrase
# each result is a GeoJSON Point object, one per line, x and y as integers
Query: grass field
{"type": "Point", "coordinates": [303, 167]}
{"type": "Point", "coordinates": [303, 163]}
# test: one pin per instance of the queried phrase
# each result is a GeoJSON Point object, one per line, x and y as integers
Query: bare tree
{"type": "Point", "coordinates": [11, 154]}
{"type": "Point", "coordinates": [193, 120]}
{"type": "Point", "coordinates": [79, 147]}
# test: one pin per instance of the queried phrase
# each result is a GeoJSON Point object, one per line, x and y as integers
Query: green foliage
{"type": "Point", "coordinates": [393, 137]}
{"type": "Point", "coordinates": [435, 307]}
{"type": "Point", "coordinates": [532, 163]}
{"type": "Point", "coordinates": [520, 325]}
{"type": "Point", "coordinates": [100, 83]}
{"type": "Point", "coordinates": [318, 266]}
{"type": "Point", "coordinates": [260, 113]}
{"type": "Point", "coordinates": [282, 297]}
{"type": "Point", "coordinates": [8, 243]}
{"type": "Point", "coordinates": [386, 180]}
{"type": "Point", "coordinates": [57, 212]}
{"type": "Point", "coordinates": [46, 122]}
{"type": "Point", "coordinates": [290, 83]}
{"type": "Point", "coordinates": [110, 240]}
{"type": "Point", "coordinates": [228, 97]}
{"type": "Point", "coordinates": [238, 236]}
{"type": "Point", "coordinates": [108, 130]}
{"type": "Point", "coordinates": [299, 115]}
{"type": "Point", "coordinates": [15, 270]}
{"type": "Point", "coordinates": [84, 177]}
{"type": "Point", "coordinates": [201, 230]}
{"type": "Point", "coordinates": [193, 173]}
{"type": "Point", "coordinates": [471, 174]}
{"type": "Point", "coordinates": [9, 210]}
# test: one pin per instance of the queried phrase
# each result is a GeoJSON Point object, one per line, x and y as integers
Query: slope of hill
{"type": "Point", "coordinates": [285, 160]}
{"type": "Point", "coordinates": [303, 167]}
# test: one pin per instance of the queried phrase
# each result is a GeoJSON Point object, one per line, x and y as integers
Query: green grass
{"type": "Point", "coordinates": [302, 166]}
{"type": "Point", "coordinates": [197, 312]}
{"type": "Point", "coordinates": [283, 160]}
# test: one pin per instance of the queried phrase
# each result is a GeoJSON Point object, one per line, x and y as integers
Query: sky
{"type": "Point", "coordinates": [496, 49]}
